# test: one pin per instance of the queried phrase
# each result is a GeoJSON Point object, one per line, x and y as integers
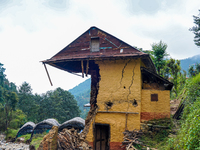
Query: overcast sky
{"type": "Point", "coordinates": [35, 30]}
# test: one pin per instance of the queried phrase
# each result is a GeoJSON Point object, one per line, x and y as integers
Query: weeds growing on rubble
{"type": "Point", "coordinates": [37, 139]}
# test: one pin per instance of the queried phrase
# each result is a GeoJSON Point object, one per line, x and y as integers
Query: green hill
{"type": "Point", "coordinates": [185, 63]}
{"type": "Point", "coordinates": [81, 88]}
{"type": "Point", "coordinates": [81, 93]}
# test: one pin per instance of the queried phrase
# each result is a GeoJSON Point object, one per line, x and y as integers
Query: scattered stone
{"type": "Point", "coordinates": [49, 141]}
{"type": "Point", "coordinates": [11, 146]}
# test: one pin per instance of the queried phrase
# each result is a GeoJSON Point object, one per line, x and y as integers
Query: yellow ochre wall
{"type": "Point", "coordinates": [120, 84]}
{"type": "Point", "coordinates": [155, 109]}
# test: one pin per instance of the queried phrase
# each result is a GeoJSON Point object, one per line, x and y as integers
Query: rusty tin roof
{"type": "Point", "coordinates": [110, 47]}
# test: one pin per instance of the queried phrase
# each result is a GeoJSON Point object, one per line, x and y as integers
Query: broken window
{"type": "Point", "coordinates": [154, 97]}
{"type": "Point", "coordinates": [94, 45]}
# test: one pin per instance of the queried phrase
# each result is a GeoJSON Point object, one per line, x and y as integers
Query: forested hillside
{"type": "Point", "coordinates": [19, 105]}
{"type": "Point", "coordinates": [82, 95]}
{"type": "Point", "coordinates": [186, 63]}
{"type": "Point", "coordinates": [81, 88]}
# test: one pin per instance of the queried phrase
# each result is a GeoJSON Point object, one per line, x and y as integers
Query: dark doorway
{"type": "Point", "coordinates": [102, 135]}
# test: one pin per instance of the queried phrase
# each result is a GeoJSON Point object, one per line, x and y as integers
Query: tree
{"type": "Point", "coordinates": [196, 29]}
{"type": "Point", "coordinates": [159, 52]}
{"type": "Point", "coordinates": [59, 104]}
{"type": "Point", "coordinates": [8, 100]}
{"type": "Point", "coordinates": [27, 102]}
{"type": "Point", "coordinates": [8, 105]}
{"type": "Point", "coordinates": [194, 70]}
{"type": "Point", "coordinates": [174, 69]}
{"type": "Point", "coordinates": [2, 75]}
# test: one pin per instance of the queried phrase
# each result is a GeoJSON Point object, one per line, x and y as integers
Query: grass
{"type": "Point", "coordinates": [26, 136]}
{"type": "Point", "coordinates": [11, 133]}
{"type": "Point", "coordinates": [37, 139]}
{"type": "Point", "coordinates": [157, 139]}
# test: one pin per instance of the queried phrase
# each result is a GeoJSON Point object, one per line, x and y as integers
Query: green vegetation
{"type": "Point", "coordinates": [189, 134]}
{"type": "Point", "coordinates": [58, 104]}
{"type": "Point", "coordinates": [81, 88]}
{"type": "Point", "coordinates": [26, 137]}
{"type": "Point", "coordinates": [37, 139]}
{"type": "Point", "coordinates": [196, 29]}
{"type": "Point", "coordinates": [158, 54]}
{"type": "Point", "coordinates": [82, 95]}
{"type": "Point", "coordinates": [157, 137]}
{"type": "Point", "coordinates": [11, 133]}
{"type": "Point", "coordinates": [20, 105]}
{"type": "Point", "coordinates": [187, 62]}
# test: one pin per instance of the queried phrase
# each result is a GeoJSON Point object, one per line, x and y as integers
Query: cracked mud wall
{"type": "Point", "coordinates": [120, 84]}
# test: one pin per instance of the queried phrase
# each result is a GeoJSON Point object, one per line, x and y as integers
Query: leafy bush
{"type": "Point", "coordinates": [189, 133]}
{"type": "Point", "coordinates": [11, 133]}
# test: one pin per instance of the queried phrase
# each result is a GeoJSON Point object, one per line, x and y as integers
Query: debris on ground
{"type": "Point", "coordinates": [11, 146]}
{"type": "Point", "coordinates": [49, 141]}
{"type": "Point", "coordinates": [71, 139]}
{"type": "Point", "coordinates": [132, 138]}
{"type": "Point", "coordinates": [90, 117]}
{"type": "Point", "coordinates": [174, 106]}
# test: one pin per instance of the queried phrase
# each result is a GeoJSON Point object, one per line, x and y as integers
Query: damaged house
{"type": "Point", "coordinates": [125, 88]}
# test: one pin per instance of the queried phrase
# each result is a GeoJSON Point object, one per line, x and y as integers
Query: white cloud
{"type": "Point", "coordinates": [31, 31]}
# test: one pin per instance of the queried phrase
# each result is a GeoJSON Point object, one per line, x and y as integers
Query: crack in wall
{"type": "Point", "coordinates": [131, 83]}
{"type": "Point", "coordinates": [129, 94]}
{"type": "Point", "coordinates": [129, 88]}
{"type": "Point", "coordinates": [123, 71]}
{"type": "Point", "coordinates": [121, 79]}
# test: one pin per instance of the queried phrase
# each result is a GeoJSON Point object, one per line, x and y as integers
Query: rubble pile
{"type": "Point", "coordinates": [131, 138]}
{"type": "Point", "coordinates": [71, 140]}
{"type": "Point", "coordinates": [49, 141]}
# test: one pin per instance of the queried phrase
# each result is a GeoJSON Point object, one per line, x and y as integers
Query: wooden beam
{"type": "Point", "coordinates": [117, 112]}
{"type": "Point", "coordinates": [87, 67]}
{"type": "Point", "coordinates": [82, 68]}
{"type": "Point", "coordinates": [48, 74]}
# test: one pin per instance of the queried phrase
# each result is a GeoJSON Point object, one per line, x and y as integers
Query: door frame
{"type": "Point", "coordinates": [95, 136]}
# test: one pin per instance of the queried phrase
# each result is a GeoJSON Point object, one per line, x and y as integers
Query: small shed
{"type": "Point", "coordinates": [77, 123]}
{"type": "Point", "coordinates": [27, 128]}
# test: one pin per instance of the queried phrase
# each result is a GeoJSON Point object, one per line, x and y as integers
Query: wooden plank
{"type": "Point", "coordinates": [117, 112]}
{"type": "Point", "coordinates": [87, 67]}
{"type": "Point", "coordinates": [82, 68]}
{"type": "Point", "coordinates": [48, 74]}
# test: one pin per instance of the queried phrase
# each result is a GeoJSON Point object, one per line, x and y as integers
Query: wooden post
{"type": "Point", "coordinates": [126, 121]}
{"type": "Point", "coordinates": [87, 67]}
{"type": "Point", "coordinates": [82, 68]}
{"type": "Point", "coordinates": [48, 74]}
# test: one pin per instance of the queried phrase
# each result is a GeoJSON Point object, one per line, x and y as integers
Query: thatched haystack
{"type": "Point", "coordinates": [27, 128]}
{"type": "Point", "coordinates": [77, 123]}
{"type": "Point", "coordinates": [44, 126]}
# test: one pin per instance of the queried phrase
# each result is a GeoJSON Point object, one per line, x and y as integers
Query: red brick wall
{"type": "Point", "coordinates": [113, 145]}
